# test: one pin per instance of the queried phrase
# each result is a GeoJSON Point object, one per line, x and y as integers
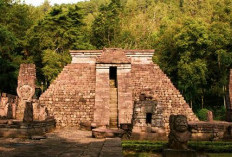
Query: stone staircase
{"type": "Point", "coordinates": [113, 104]}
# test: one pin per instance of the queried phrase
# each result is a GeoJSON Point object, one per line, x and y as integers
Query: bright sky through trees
{"type": "Point", "coordinates": [52, 2]}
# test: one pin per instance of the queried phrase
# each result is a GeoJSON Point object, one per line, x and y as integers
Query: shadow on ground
{"type": "Point", "coordinates": [68, 142]}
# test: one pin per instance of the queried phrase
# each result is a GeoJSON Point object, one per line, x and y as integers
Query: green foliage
{"type": "Point", "coordinates": [192, 40]}
{"type": "Point", "coordinates": [106, 26]}
{"type": "Point", "coordinates": [7, 42]}
{"type": "Point", "coordinates": [202, 114]}
{"type": "Point", "coordinates": [182, 54]}
{"type": "Point", "coordinates": [51, 38]}
{"type": "Point", "coordinates": [220, 113]}
{"type": "Point", "coordinates": [53, 63]}
{"type": "Point", "coordinates": [8, 77]}
{"type": "Point", "coordinates": [14, 21]}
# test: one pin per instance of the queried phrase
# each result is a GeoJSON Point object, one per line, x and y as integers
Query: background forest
{"type": "Point", "coordinates": [192, 40]}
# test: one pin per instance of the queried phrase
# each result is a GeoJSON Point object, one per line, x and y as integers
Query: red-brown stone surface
{"type": "Point", "coordinates": [149, 77]}
{"type": "Point", "coordinates": [8, 105]}
{"type": "Point", "coordinates": [70, 98]}
{"type": "Point", "coordinates": [112, 56]}
{"type": "Point", "coordinates": [81, 91]}
{"type": "Point", "coordinates": [26, 87]}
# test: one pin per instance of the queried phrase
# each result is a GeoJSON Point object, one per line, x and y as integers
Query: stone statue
{"type": "Point", "coordinates": [179, 133]}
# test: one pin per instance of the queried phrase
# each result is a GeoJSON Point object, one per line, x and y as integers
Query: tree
{"type": "Point", "coordinates": [106, 26]}
{"type": "Point", "coordinates": [183, 54]}
{"type": "Point", "coordinates": [60, 30]}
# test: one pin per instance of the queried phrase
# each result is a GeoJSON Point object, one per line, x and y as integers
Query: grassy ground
{"type": "Point", "coordinates": [157, 146]}
{"type": "Point", "coordinates": [150, 154]}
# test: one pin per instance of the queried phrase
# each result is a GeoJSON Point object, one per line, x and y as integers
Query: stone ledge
{"type": "Point", "coordinates": [107, 133]}
{"type": "Point", "coordinates": [211, 130]}
{"type": "Point", "coordinates": [26, 130]}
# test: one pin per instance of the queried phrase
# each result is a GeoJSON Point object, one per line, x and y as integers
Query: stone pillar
{"type": "Point", "coordinates": [210, 116]}
{"type": "Point", "coordinates": [4, 105]}
{"type": "Point", "coordinates": [125, 104]}
{"type": "Point", "coordinates": [102, 96]}
{"type": "Point", "coordinates": [28, 112]}
{"type": "Point", "coordinates": [26, 88]}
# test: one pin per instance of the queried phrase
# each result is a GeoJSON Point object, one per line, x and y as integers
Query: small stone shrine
{"type": "Point", "coordinates": [26, 88]}
{"type": "Point", "coordinates": [105, 88]}
{"type": "Point", "coordinates": [23, 116]}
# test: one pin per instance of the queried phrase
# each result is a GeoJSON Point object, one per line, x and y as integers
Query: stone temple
{"type": "Point", "coordinates": [114, 87]}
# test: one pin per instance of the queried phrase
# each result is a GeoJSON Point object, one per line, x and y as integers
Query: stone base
{"type": "Point", "coordinates": [15, 129]}
{"type": "Point", "coordinates": [148, 136]}
{"type": "Point", "coordinates": [211, 131]}
{"type": "Point", "coordinates": [107, 133]}
{"type": "Point", "coordinates": [178, 153]}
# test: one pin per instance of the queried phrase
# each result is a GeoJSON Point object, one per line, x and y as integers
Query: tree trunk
{"type": "Point", "coordinates": [224, 96]}
{"type": "Point", "coordinates": [202, 101]}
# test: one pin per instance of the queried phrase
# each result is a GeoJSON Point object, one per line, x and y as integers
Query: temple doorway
{"type": "Point", "coordinates": [113, 97]}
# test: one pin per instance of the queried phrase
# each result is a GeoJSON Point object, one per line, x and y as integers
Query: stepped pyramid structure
{"type": "Point", "coordinates": [113, 87]}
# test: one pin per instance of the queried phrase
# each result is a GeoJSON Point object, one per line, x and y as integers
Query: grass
{"type": "Point", "coordinates": [157, 146]}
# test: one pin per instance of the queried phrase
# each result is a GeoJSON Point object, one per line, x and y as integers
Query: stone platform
{"type": "Point", "coordinates": [107, 133]}
{"type": "Point", "coordinates": [15, 128]}
{"type": "Point", "coordinates": [67, 142]}
{"type": "Point", "coordinates": [211, 131]}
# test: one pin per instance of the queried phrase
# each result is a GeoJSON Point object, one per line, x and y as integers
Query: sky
{"type": "Point", "coordinates": [52, 2]}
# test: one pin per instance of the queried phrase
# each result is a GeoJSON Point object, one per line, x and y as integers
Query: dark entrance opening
{"type": "Point", "coordinates": [148, 118]}
{"type": "Point", "coordinates": [113, 104]}
{"type": "Point", "coordinates": [113, 76]}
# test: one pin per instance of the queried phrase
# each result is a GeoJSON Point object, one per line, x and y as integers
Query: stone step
{"type": "Point", "coordinates": [107, 133]}
{"type": "Point", "coordinates": [113, 121]}
{"type": "Point", "coordinates": [113, 103]}
{"type": "Point", "coordinates": [113, 93]}
{"type": "Point", "coordinates": [113, 108]}
{"type": "Point", "coordinates": [114, 98]}
{"type": "Point", "coordinates": [113, 90]}
{"type": "Point", "coordinates": [113, 117]}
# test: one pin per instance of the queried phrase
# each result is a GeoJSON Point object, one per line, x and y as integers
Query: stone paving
{"type": "Point", "coordinates": [69, 142]}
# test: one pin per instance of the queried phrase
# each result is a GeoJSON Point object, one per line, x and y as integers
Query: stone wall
{"type": "Point", "coordinates": [211, 131]}
{"type": "Point", "coordinates": [70, 98]}
{"type": "Point", "coordinates": [125, 102]}
{"type": "Point", "coordinates": [141, 109]}
{"type": "Point", "coordinates": [17, 129]}
{"type": "Point", "coordinates": [150, 78]}
{"type": "Point", "coordinates": [102, 96]}
{"type": "Point", "coordinates": [8, 105]}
